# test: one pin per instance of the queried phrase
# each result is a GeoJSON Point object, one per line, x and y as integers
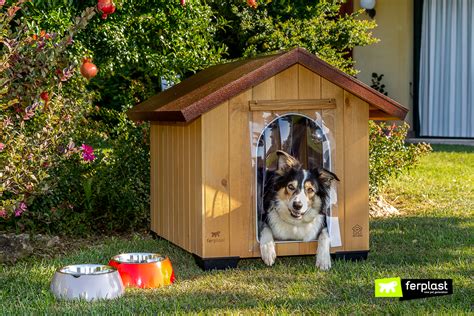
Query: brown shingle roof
{"type": "Point", "coordinates": [208, 88]}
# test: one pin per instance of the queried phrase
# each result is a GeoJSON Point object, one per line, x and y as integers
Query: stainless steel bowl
{"type": "Point", "coordinates": [139, 257]}
{"type": "Point", "coordinates": [88, 282]}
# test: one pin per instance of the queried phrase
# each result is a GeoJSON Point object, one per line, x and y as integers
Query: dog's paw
{"type": "Point", "coordinates": [268, 253]}
{"type": "Point", "coordinates": [323, 261]}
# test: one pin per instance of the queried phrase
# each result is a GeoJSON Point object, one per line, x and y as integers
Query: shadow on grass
{"type": "Point", "coordinates": [453, 148]}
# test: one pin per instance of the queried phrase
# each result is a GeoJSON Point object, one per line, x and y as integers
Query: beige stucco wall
{"type": "Point", "coordinates": [393, 55]}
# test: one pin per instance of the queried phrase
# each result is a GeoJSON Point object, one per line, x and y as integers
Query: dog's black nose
{"type": "Point", "coordinates": [297, 205]}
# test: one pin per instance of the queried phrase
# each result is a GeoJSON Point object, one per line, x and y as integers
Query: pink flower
{"type": "Point", "coordinates": [2, 145]}
{"type": "Point", "coordinates": [3, 213]}
{"type": "Point", "coordinates": [20, 209]}
{"type": "Point", "coordinates": [87, 152]}
{"type": "Point", "coordinates": [2, 2]}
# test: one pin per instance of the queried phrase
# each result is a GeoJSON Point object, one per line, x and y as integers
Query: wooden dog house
{"type": "Point", "coordinates": [201, 159]}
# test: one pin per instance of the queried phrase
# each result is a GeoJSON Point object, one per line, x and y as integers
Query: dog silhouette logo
{"type": "Point", "coordinates": [215, 234]}
{"type": "Point", "coordinates": [389, 287]}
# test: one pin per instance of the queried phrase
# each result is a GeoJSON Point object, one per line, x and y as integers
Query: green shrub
{"type": "Point", "coordinates": [275, 25]}
{"type": "Point", "coordinates": [134, 48]}
{"type": "Point", "coordinates": [108, 194]}
{"type": "Point", "coordinates": [142, 42]}
{"type": "Point", "coordinates": [389, 155]}
{"type": "Point", "coordinates": [37, 115]}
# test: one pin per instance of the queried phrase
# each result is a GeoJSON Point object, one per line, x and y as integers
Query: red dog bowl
{"type": "Point", "coordinates": [143, 270]}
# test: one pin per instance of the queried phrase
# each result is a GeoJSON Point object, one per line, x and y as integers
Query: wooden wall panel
{"type": "Point", "coordinates": [167, 195]}
{"type": "Point", "coordinates": [178, 183]}
{"type": "Point", "coordinates": [257, 119]}
{"type": "Point", "coordinates": [242, 219]}
{"type": "Point", "coordinates": [215, 160]}
{"type": "Point", "coordinates": [264, 90]}
{"type": "Point", "coordinates": [335, 122]}
{"type": "Point", "coordinates": [173, 180]}
{"type": "Point", "coordinates": [309, 84]}
{"type": "Point", "coordinates": [176, 180]}
{"type": "Point", "coordinates": [158, 197]}
{"type": "Point", "coordinates": [197, 190]}
{"type": "Point", "coordinates": [286, 84]}
{"type": "Point", "coordinates": [356, 173]}
{"type": "Point", "coordinates": [154, 161]}
{"type": "Point", "coordinates": [183, 185]}
{"type": "Point", "coordinates": [187, 156]}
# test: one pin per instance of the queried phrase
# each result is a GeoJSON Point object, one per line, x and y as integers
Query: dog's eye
{"type": "Point", "coordinates": [291, 187]}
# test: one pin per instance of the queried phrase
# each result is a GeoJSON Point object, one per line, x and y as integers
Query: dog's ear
{"type": "Point", "coordinates": [286, 160]}
{"type": "Point", "coordinates": [326, 177]}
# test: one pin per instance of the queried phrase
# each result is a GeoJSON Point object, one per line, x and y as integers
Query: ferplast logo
{"type": "Point", "coordinates": [409, 289]}
{"type": "Point", "coordinates": [389, 287]}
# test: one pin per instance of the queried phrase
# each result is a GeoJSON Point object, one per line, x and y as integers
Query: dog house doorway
{"type": "Point", "coordinates": [307, 139]}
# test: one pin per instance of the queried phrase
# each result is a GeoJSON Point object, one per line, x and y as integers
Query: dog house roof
{"type": "Point", "coordinates": [207, 89]}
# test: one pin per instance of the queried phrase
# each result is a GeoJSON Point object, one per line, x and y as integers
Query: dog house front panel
{"type": "Point", "coordinates": [312, 95]}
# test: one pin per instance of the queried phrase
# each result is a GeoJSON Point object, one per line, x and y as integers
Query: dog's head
{"type": "Point", "coordinates": [300, 194]}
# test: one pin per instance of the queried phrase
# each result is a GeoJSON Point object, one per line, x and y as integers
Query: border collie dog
{"type": "Point", "coordinates": [295, 202]}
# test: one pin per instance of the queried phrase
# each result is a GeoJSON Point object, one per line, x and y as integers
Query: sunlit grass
{"type": "Point", "coordinates": [433, 239]}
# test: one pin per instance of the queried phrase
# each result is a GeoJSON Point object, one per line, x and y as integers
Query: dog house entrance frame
{"type": "Point", "coordinates": [312, 131]}
{"type": "Point", "coordinates": [201, 157]}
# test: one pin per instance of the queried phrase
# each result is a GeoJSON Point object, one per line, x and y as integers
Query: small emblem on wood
{"type": "Point", "coordinates": [356, 231]}
{"type": "Point", "coordinates": [215, 237]}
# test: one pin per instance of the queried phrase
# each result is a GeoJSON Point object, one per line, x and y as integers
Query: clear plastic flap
{"type": "Point", "coordinates": [303, 136]}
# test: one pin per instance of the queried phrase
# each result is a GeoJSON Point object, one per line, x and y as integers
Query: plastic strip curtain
{"type": "Point", "coordinates": [304, 137]}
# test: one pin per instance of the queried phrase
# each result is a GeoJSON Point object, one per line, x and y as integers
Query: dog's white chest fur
{"type": "Point", "coordinates": [304, 231]}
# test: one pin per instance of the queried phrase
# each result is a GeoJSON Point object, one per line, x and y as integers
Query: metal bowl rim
{"type": "Point", "coordinates": [109, 267]}
{"type": "Point", "coordinates": [116, 257]}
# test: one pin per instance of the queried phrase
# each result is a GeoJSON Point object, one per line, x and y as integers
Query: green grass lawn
{"type": "Point", "coordinates": [433, 239]}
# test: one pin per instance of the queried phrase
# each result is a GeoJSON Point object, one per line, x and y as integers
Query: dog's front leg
{"type": "Point", "coordinates": [267, 246]}
{"type": "Point", "coordinates": [323, 258]}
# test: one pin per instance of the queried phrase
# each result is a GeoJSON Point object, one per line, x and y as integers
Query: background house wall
{"type": "Point", "coordinates": [393, 55]}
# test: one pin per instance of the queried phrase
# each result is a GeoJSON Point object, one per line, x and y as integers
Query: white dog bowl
{"type": "Point", "coordinates": [88, 282]}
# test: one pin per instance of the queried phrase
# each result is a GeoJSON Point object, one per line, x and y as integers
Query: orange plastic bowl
{"type": "Point", "coordinates": [143, 270]}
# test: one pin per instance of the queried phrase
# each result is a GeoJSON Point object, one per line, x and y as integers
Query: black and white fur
{"type": "Point", "coordinates": [295, 201]}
